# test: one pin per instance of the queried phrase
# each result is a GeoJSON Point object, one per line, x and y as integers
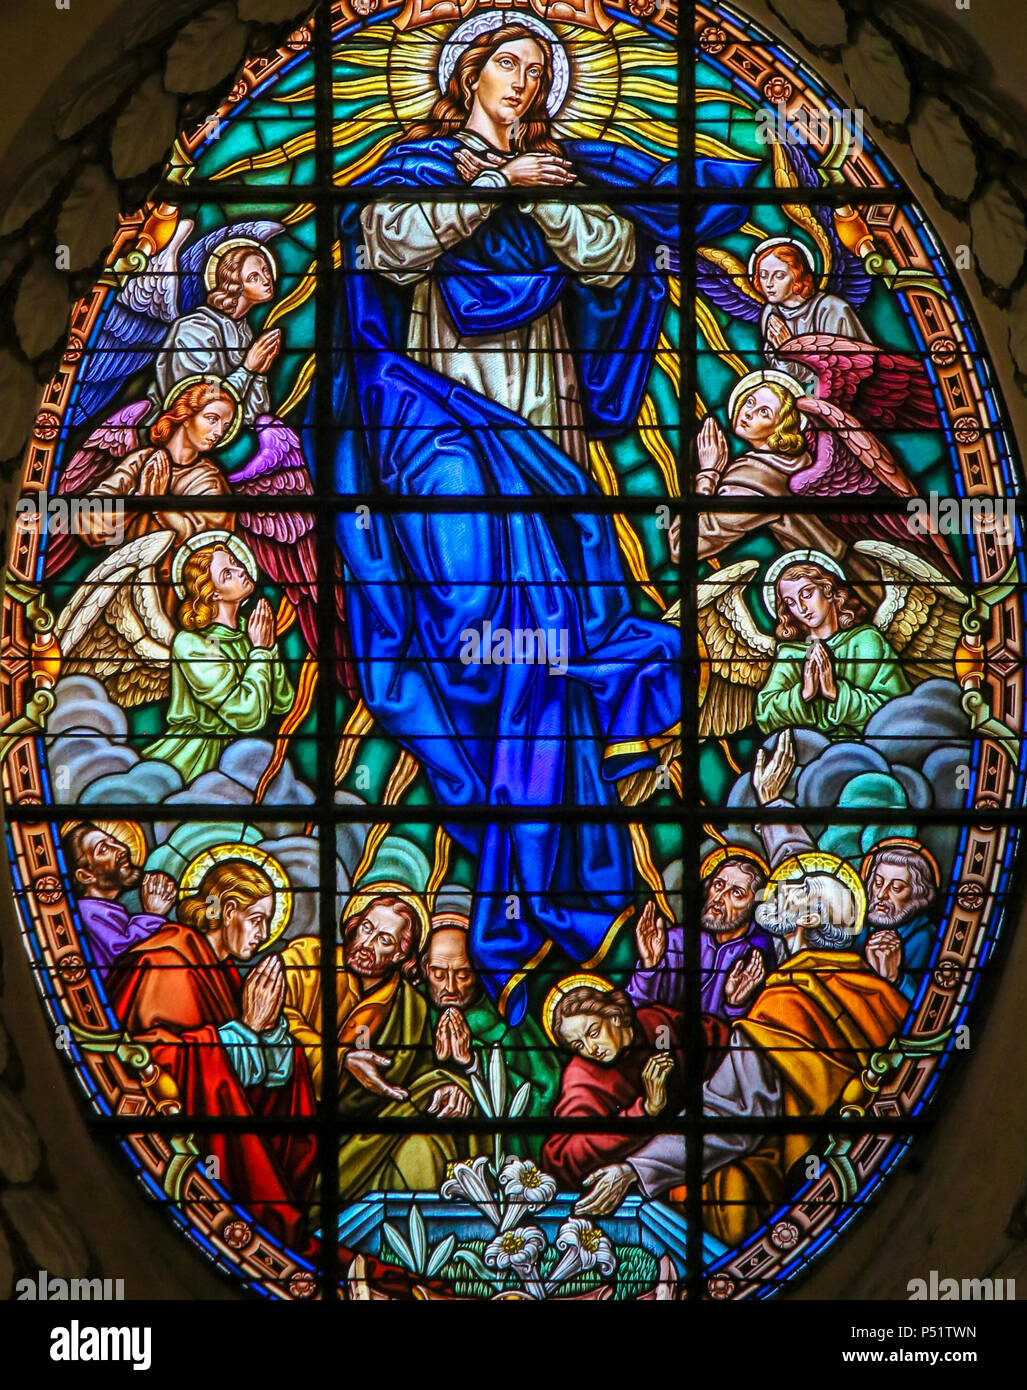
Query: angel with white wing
{"type": "Point", "coordinates": [830, 666]}
{"type": "Point", "coordinates": [223, 672]}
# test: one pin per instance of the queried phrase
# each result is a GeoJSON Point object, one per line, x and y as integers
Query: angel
{"type": "Point", "coordinates": [780, 288]}
{"type": "Point", "coordinates": [224, 674]}
{"type": "Point", "coordinates": [199, 417]}
{"type": "Point", "coordinates": [186, 315]}
{"type": "Point", "coordinates": [827, 667]}
{"type": "Point", "coordinates": [823, 445]}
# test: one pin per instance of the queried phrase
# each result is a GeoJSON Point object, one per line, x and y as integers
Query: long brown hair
{"type": "Point", "coordinates": [850, 610]}
{"type": "Point", "coordinates": [189, 403]}
{"type": "Point", "coordinates": [228, 278]}
{"type": "Point", "coordinates": [453, 107]}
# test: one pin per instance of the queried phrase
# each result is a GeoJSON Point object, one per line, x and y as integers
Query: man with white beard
{"type": "Point", "coordinates": [812, 1030]}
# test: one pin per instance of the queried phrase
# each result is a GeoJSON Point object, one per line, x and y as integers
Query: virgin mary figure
{"type": "Point", "coordinates": [482, 341]}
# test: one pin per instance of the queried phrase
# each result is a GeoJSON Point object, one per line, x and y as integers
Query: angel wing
{"type": "Point", "coordinates": [885, 390]}
{"type": "Point", "coordinates": [843, 272]}
{"type": "Point", "coordinates": [116, 437]}
{"type": "Point", "coordinates": [284, 542]}
{"type": "Point", "coordinates": [724, 280]}
{"type": "Point", "coordinates": [735, 657]}
{"type": "Point", "coordinates": [140, 314]}
{"type": "Point", "coordinates": [920, 613]}
{"type": "Point", "coordinates": [115, 628]}
{"type": "Point", "coordinates": [847, 457]}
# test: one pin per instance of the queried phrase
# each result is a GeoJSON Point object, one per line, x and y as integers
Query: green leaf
{"type": "Point", "coordinates": [481, 1095]}
{"type": "Point", "coordinates": [473, 1262]}
{"type": "Point", "coordinates": [418, 1237]}
{"type": "Point", "coordinates": [441, 1255]}
{"type": "Point", "coordinates": [497, 1079]}
{"type": "Point", "coordinates": [400, 1246]}
{"type": "Point", "coordinates": [520, 1101]}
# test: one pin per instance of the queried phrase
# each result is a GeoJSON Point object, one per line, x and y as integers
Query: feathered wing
{"type": "Point", "coordinates": [116, 437]}
{"type": "Point", "coordinates": [115, 628]}
{"type": "Point", "coordinates": [140, 314]}
{"type": "Point", "coordinates": [848, 458]}
{"type": "Point", "coordinates": [884, 390]}
{"type": "Point", "coordinates": [846, 276]}
{"type": "Point", "coordinates": [723, 280]}
{"type": "Point", "coordinates": [735, 655]}
{"type": "Point", "coordinates": [284, 543]}
{"type": "Point", "coordinates": [920, 613]}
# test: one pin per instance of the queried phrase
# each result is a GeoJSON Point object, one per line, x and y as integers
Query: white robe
{"type": "Point", "coordinates": [528, 368]}
{"type": "Point", "coordinates": [821, 313]}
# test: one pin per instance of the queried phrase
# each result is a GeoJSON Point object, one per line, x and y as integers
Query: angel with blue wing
{"type": "Point", "coordinates": [186, 315]}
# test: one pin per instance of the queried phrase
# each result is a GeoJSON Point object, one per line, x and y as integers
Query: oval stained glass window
{"type": "Point", "coordinates": [518, 560]}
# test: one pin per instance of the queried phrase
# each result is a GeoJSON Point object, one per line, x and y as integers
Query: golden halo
{"type": "Point", "coordinates": [210, 269]}
{"type": "Point", "coordinates": [235, 424]}
{"type": "Point", "coordinates": [818, 861]}
{"type": "Point", "coordinates": [450, 921]}
{"type": "Point", "coordinates": [563, 987]}
{"type": "Point", "coordinates": [250, 854]}
{"type": "Point", "coordinates": [387, 888]}
{"type": "Point", "coordinates": [901, 842]}
{"type": "Point", "coordinates": [126, 832]}
{"type": "Point", "coordinates": [716, 857]}
{"type": "Point", "coordinates": [221, 540]}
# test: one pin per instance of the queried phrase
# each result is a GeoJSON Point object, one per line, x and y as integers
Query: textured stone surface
{"type": "Point", "coordinates": [92, 98]}
{"type": "Point", "coordinates": [35, 189]}
{"type": "Point", "coordinates": [17, 391]}
{"type": "Point", "coordinates": [87, 221]}
{"type": "Point", "coordinates": [6, 1267]}
{"type": "Point", "coordinates": [149, 21]}
{"type": "Point", "coordinates": [270, 11]}
{"type": "Point", "coordinates": [945, 44]}
{"type": "Point", "coordinates": [1018, 328]}
{"type": "Point", "coordinates": [999, 234]}
{"type": "Point", "coordinates": [5, 1048]}
{"type": "Point", "coordinates": [943, 149]}
{"type": "Point", "coordinates": [819, 22]}
{"type": "Point", "coordinates": [19, 1143]}
{"type": "Point", "coordinates": [207, 51]}
{"type": "Point", "coordinates": [53, 1239]}
{"type": "Point", "coordinates": [41, 309]}
{"type": "Point", "coordinates": [996, 119]}
{"type": "Point", "coordinates": [145, 130]}
{"type": "Point", "coordinates": [876, 76]}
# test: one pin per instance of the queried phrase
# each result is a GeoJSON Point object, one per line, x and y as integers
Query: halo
{"type": "Point", "coordinates": [563, 987]}
{"type": "Point", "coordinates": [756, 379]}
{"type": "Point", "coordinates": [800, 246]}
{"type": "Point", "coordinates": [224, 540]}
{"type": "Point", "coordinates": [235, 424]}
{"type": "Point", "coordinates": [251, 854]}
{"type": "Point", "coordinates": [387, 888]}
{"type": "Point", "coordinates": [210, 267]}
{"type": "Point", "coordinates": [127, 832]}
{"type": "Point", "coordinates": [901, 842]}
{"type": "Point", "coordinates": [819, 861]}
{"type": "Point", "coordinates": [450, 921]}
{"type": "Point", "coordinates": [795, 557]}
{"type": "Point", "coordinates": [716, 857]}
{"type": "Point", "coordinates": [482, 23]}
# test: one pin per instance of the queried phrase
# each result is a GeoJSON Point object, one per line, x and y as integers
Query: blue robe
{"type": "Point", "coordinates": [518, 734]}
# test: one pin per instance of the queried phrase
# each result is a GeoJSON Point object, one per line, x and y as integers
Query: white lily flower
{"type": "Point", "coordinates": [468, 1181]}
{"type": "Point", "coordinates": [527, 1188]}
{"type": "Point", "coordinates": [585, 1246]}
{"type": "Point", "coordinates": [519, 1251]}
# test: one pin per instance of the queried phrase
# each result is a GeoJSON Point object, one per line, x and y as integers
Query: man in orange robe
{"type": "Point", "coordinates": [812, 1030]}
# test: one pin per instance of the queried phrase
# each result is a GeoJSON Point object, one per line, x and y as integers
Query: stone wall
{"type": "Point", "coordinates": [924, 73]}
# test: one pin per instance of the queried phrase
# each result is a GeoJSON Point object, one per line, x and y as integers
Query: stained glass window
{"type": "Point", "coordinates": [518, 560]}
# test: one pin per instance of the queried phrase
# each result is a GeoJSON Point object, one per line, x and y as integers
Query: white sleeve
{"type": "Point", "coordinates": [593, 240]}
{"type": "Point", "coordinates": [403, 239]}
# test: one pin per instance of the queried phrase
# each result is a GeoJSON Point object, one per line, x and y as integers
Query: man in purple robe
{"type": "Point", "coordinates": [736, 956]}
{"type": "Point", "coordinates": [101, 869]}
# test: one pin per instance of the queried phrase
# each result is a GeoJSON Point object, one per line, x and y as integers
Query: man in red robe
{"type": "Point", "coordinates": [225, 1043]}
{"type": "Point", "coordinates": [627, 1064]}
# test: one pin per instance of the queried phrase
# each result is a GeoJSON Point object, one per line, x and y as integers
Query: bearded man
{"type": "Point", "coordinates": [101, 868]}
{"type": "Point", "coordinates": [736, 955]}
{"type": "Point", "coordinates": [385, 1045]}
{"type": "Point", "coordinates": [901, 885]}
